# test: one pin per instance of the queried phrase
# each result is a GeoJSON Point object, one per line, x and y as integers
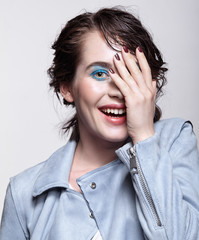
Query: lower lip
{"type": "Point", "coordinates": [115, 120]}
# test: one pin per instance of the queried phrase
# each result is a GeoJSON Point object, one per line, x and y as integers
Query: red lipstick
{"type": "Point", "coordinates": [114, 113]}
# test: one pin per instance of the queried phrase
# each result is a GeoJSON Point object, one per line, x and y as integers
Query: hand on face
{"type": "Point", "coordinates": [139, 91]}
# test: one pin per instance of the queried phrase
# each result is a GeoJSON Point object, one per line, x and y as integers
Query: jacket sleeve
{"type": "Point", "coordinates": [165, 175]}
{"type": "Point", "coordinates": [11, 227]}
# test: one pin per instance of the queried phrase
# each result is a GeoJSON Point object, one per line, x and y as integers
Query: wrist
{"type": "Point", "coordinates": [142, 136]}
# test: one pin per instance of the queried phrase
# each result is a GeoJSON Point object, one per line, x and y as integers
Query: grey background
{"type": "Point", "coordinates": [30, 114]}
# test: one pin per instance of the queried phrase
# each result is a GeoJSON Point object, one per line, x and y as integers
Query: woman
{"type": "Point", "coordinates": [124, 174]}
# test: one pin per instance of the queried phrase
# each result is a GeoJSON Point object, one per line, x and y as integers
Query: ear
{"type": "Point", "coordinates": [66, 93]}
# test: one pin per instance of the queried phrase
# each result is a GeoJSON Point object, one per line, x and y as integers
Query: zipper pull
{"type": "Point", "coordinates": [133, 164]}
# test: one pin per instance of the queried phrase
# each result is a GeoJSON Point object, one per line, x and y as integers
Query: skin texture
{"type": "Point", "coordinates": [94, 87]}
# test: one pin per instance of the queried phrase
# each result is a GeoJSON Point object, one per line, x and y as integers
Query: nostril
{"type": "Point", "coordinates": [116, 94]}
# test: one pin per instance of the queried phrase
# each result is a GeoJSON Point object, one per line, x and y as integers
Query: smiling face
{"type": "Point", "coordinates": [99, 103]}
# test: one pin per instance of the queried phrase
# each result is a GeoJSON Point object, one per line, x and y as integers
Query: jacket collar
{"type": "Point", "coordinates": [55, 171]}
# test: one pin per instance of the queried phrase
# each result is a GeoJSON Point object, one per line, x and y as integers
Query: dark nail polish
{"type": "Point", "coordinates": [117, 56]}
{"type": "Point", "coordinates": [140, 49]}
{"type": "Point", "coordinates": [126, 49]}
{"type": "Point", "coordinates": [111, 70]}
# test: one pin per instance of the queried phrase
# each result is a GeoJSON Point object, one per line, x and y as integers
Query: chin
{"type": "Point", "coordinates": [115, 137]}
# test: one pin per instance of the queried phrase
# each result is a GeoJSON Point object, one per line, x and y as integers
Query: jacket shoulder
{"type": "Point", "coordinates": [25, 180]}
{"type": "Point", "coordinates": [19, 195]}
{"type": "Point", "coordinates": [21, 188]}
{"type": "Point", "coordinates": [171, 126]}
{"type": "Point", "coordinates": [168, 130]}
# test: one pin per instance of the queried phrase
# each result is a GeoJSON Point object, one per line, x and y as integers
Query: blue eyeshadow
{"type": "Point", "coordinates": [100, 74]}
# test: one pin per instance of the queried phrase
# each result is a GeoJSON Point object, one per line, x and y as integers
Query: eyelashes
{"type": "Point", "coordinates": [100, 75]}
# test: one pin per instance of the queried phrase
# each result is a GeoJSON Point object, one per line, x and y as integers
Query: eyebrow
{"type": "Point", "coordinates": [101, 64]}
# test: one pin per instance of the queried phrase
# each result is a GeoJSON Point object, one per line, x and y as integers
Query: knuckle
{"type": "Point", "coordinates": [145, 97]}
{"type": "Point", "coordinates": [141, 99]}
{"type": "Point", "coordinates": [136, 72]}
{"type": "Point", "coordinates": [149, 95]}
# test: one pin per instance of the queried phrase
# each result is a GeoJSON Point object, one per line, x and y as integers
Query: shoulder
{"type": "Point", "coordinates": [45, 175]}
{"type": "Point", "coordinates": [19, 197]}
{"type": "Point", "coordinates": [172, 126]}
{"type": "Point", "coordinates": [22, 184]}
{"type": "Point", "coordinates": [25, 180]}
{"type": "Point", "coordinates": [28, 176]}
{"type": "Point", "coordinates": [175, 130]}
{"type": "Point", "coordinates": [21, 187]}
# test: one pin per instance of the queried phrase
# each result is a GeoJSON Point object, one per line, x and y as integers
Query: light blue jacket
{"type": "Point", "coordinates": [150, 192]}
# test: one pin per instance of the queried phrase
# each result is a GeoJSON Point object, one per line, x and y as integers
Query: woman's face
{"type": "Point", "coordinates": [99, 103]}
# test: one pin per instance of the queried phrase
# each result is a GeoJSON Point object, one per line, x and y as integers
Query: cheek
{"type": "Point", "coordinates": [96, 89]}
{"type": "Point", "coordinates": [90, 91]}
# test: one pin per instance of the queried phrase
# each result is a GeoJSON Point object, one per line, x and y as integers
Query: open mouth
{"type": "Point", "coordinates": [114, 112]}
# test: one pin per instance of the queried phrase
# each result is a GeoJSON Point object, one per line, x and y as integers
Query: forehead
{"type": "Point", "coordinates": [96, 48]}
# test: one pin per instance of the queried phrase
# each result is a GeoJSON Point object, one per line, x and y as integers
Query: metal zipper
{"type": "Point", "coordinates": [136, 169]}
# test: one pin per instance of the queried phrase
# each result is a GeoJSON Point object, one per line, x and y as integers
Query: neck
{"type": "Point", "coordinates": [92, 153]}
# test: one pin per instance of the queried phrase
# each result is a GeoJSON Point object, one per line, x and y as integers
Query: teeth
{"type": "Point", "coordinates": [120, 111]}
{"type": "Point", "coordinates": [114, 111]}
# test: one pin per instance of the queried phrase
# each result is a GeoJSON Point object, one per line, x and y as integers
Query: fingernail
{"type": "Point", "coordinates": [111, 71]}
{"type": "Point", "coordinates": [140, 49]}
{"type": "Point", "coordinates": [117, 56]}
{"type": "Point", "coordinates": [125, 49]}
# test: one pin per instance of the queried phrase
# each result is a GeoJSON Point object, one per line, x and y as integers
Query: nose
{"type": "Point", "coordinates": [114, 91]}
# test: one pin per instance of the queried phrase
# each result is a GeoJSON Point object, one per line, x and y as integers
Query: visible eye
{"type": "Point", "coordinates": [100, 75]}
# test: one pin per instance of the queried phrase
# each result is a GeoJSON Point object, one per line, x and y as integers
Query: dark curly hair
{"type": "Point", "coordinates": [118, 26]}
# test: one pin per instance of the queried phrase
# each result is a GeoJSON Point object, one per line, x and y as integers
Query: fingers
{"type": "Point", "coordinates": [146, 70]}
{"type": "Point", "coordinates": [128, 70]}
{"type": "Point", "coordinates": [134, 66]}
{"type": "Point", "coordinates": [124, 77]}
{"type": "Point", "coordinates": [134, 71]}
{"type": "Point", "coordinates": [123, 87]}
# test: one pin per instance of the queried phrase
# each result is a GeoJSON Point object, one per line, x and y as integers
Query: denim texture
{"type": "Point", "coordinates": [39, 205]}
